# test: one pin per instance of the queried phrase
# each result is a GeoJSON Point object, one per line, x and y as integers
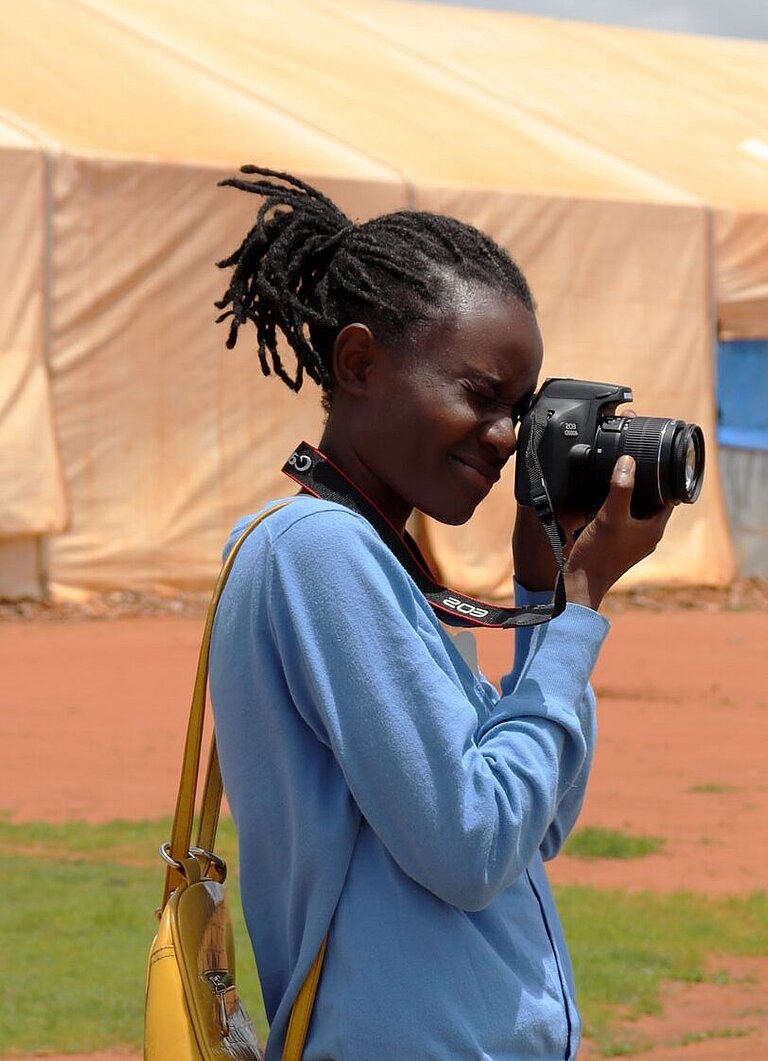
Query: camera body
{"type": "Point", "coordinates": [583, 437]}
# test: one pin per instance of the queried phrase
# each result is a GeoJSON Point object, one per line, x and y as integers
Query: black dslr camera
{"type": "Point", "coordinates": [581, 438]}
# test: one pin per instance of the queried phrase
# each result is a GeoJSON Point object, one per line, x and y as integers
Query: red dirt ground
{"type": "Point", "coordinates": [93, 715]}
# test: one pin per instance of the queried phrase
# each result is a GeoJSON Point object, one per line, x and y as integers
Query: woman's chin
{"type": "Point", "coordinates": [453, 516]}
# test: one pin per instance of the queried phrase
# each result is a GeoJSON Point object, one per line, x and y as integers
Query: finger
{"type": "Point", "coordinates": [621, 487]}
{"type": "Point", "coordinates": [571, 523]}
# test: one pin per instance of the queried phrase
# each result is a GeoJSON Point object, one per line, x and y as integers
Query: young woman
{"type": "Point", "coordinates": [384, 794]}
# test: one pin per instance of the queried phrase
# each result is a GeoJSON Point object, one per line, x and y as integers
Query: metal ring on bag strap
{"type": "Point", "coordinates": [219, 863]}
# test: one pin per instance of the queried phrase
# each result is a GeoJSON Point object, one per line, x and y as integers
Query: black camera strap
{"type": "Point", "coordinates": [319, 476]}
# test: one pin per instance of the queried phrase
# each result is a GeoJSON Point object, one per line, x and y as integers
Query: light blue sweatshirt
{"type": "Point", "coordinates": [383, 790]}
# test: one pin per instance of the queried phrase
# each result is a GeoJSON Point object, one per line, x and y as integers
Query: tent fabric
{"type": "Point", "coordinates": [166, 435]}
{"type": "Point", "coordinates": [30, 471]}
{"type": "Point", "coordinates": [136, 357]}
{"type": "Point", "coordinates": [77, 73]}
{"type": "Point", "coordinates": [33, 500]}
{"type": "Point", "coordinates": [134, 110]}
{"type": "Point", "coordinates": [740, 239]}
{"type": "Point", "coordinates": [683, 108]}
{"type": "Point", "coordinates": [300, 64]}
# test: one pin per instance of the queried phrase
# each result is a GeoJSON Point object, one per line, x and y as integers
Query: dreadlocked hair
{"type": "Point", "coordinates": [306, 270]}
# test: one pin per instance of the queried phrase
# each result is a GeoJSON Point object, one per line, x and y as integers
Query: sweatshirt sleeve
{"type": "Point", "coordinates": [523, 634]}
{"type": "Point", "coordinates": [572, 800]}
{"type": "Point", "coordinates": [461, 810]}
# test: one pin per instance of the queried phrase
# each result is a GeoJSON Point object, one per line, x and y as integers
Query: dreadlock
{"type": "Point", "coordinates": [306, 270]}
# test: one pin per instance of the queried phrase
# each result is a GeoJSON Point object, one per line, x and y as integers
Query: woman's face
{"type": "Point", "coordinates": [438, 422]}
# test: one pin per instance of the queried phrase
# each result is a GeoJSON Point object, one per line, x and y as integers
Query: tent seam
{"type": "Point", "coordinates": [49, 144]}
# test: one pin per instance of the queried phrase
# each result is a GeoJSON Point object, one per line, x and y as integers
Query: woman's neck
{"type": "Point", "coordinates": [339, 446]}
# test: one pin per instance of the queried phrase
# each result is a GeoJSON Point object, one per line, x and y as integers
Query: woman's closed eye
{"type": "Point", "coordinates": [486, 395]}
{"type": "Point", "coordinates": [480, 391]}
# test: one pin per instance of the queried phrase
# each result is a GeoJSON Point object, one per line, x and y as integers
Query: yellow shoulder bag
{"type": "Point", "coordinates": [192, 1011]}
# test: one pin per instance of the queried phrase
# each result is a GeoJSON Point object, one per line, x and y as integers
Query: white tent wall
{"type": "Point", "coordinates": [624, 296]}
{"type": "Point", "coordinates": [30, 473]}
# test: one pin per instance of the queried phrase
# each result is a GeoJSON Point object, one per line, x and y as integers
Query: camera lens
{"type": "Point", "coordinates": [669, 455]}
{"type": "Point", "coordinates": [689, 462]}
{"type": "Point", "coordinates": [690, 466]}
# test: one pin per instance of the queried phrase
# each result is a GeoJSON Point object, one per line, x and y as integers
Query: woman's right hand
{"type": "Point", "coordinates": [613, 542]}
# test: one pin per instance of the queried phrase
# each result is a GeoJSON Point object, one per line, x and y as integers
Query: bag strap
{"type": "Point", "coordinates": [301, 1011]}
{"type": "Point", "coordinates": [181, 832]}
{"type": "Point", "coordinates": [210, 806]}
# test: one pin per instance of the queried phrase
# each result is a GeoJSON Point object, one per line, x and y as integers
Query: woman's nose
{"type": "Point", "coordinates": [501, 434]}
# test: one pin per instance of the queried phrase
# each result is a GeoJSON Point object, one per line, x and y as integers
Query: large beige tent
{"type": "Point", "coordinates": [611, 163]}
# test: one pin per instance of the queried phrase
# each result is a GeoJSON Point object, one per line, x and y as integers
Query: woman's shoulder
{"type": "Point", "coordinates": [300, 519]}
{"type": "Point", "coordinates": [320, 551]}
{"type": "Point", "coordinates": [320, 547]}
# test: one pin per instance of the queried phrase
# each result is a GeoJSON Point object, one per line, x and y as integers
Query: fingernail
{"type": "Point", "coordinates": [624, 466]}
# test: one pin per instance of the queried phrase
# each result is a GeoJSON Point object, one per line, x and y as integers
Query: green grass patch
{"type": "Point", "coordinates": [714, 788]}
{"type": "Point", "coordinates": [623, 945]}
{"type": "Point", "coordinates": [77, 920]}
{"type": "Point", "coordinates": [127, 842]}
{"type": "Point", "coordinates": [594, 842]}
{"type": "Point", "coordinates": [713, 1033]}
{"type": "Point", "coordinates": [76, 923]}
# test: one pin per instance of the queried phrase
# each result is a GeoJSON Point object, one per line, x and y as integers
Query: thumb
{"type": "Point", "coordinates": [621, 487]}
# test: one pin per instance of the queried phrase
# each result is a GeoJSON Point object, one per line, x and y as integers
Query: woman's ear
{"type": "Point", "coordinates": [354, 352]}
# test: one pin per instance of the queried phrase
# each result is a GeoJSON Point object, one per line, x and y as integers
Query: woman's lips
{"type": "Point", "coordinates": [482, 475]}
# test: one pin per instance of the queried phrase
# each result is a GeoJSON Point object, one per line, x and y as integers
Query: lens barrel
{"type": "Point", "coordinates": [669, 457]}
